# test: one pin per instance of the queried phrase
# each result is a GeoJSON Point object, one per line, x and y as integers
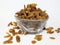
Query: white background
{"type": "Point", "coordinates": [7, 12]}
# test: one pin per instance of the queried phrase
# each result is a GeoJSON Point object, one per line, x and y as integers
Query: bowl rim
{"type": "Point", "coordinates": [30, 20]}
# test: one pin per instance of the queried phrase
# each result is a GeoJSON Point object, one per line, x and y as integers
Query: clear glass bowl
{"type": "Point", "coordinates": [31, 26]}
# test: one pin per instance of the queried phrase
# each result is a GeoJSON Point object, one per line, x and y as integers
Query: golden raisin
{"type": "Point", "coordinates": [16, 27]}
{"type": "Point", "coordinates": [38, 37]}
{"type": "Point", "coordinates": [50, 30]}
{"type": "Point", "coordinates": [58, 30]}
{"type": "Point", "coordinates": [52, 37]}
{"type": "Point", "coordinates": [7, 36]}
{"type": "Point", "coordinates": [14, 23]}
{"type": "Point", "coordinates": [19, 32]}
{"type": "Point", "coordinates": [7, 42]}
{"type": "Point", "coordinates": [33, 42]}
{"type": "Point", "coordinates": [10, 38]}
{"type": "Point", "coordinates": [31, 12]}
{"type": "Point", "coordinates": [10, 24]}
{"type": "Point", "coordinates": [12, 31]}
{"type": "Point", "coordinates": [18, 38]}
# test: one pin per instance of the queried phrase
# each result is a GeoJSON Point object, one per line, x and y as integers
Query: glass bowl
{"type": "Point", "coordinates": [31, 26]}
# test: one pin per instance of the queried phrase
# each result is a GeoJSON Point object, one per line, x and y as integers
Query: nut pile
{"type": "Point", "coordinates": [31, 12]}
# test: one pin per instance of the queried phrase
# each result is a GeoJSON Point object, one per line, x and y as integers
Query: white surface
{"type": "Point", "coordinates": [7, 12]}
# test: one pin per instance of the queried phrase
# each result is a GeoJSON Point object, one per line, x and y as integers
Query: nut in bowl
{"type": "Point", "coordinates": [31, 19]}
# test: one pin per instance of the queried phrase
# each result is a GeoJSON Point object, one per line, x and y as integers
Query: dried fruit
{"type": "Point", "coordinates": [32, 13]}
{"type": "Point", "coordinates": [18, 38]}
{"type": "Point", "coordinates": [52, 37]}
{"type": "Point", "coordinates": [10, 24]}
{"type": "Point", "coordinates": [19, 32]}
{"type": "Point", "coordinates": [7, 36]}
{"type": "Point", "coordinates": [12, 31]}
{"type": "Point", "coordinates": [7, 42]}
{"type": "Point", "coordinates": [38, 37]}
{"type": "Point", "coordinates": [33, 41]}
{"type": "Point", "coordinates": [58, 30]}
{"type": "Point", "coordinates": [10, 38]}
{"type": "Point", "coordinates": [16, 27]}
{"type": "Point", "coordinates": [50, 30]}
{"type": "Point", "coordinates": [14, 23]}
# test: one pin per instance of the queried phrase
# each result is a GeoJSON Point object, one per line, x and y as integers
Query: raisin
{"type": "Point", "coordinates": [38, 37]}
{"type": "Point", "coordinates": [52, 37]}
{"type": "Point", "coordinates": [33, 42]}
{"type": "Point", "coordinates": [7, 42]}
{"type": "Point", "coordinates": [18, 38]}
